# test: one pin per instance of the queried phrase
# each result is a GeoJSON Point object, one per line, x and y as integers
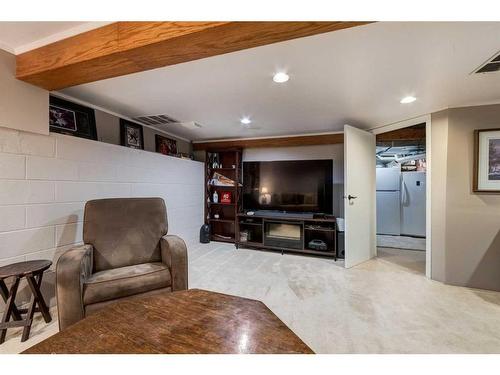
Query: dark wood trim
{"type": "Point", "coordinates": [303, 140]}
{"type": "Point", "coordinates": [475, 168]}
{"type": "Point", "coordinates": [413, 133]}
{"type": "Point", "coordinates": [123, 48]}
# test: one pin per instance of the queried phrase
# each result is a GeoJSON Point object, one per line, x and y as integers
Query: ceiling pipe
{"type": "Point", "coordinates": [403, 159]}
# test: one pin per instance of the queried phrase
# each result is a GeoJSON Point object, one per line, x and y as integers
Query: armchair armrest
{"type": "Point", "coordinates": [73, 268]}
{"type": "Point", "coordinates": [174, 255]}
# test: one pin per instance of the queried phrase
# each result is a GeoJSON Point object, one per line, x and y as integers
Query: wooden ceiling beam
{"type": "Point", "coordinates": [413, 133]}
{"type": "Point", "coordinates": [303, 140]}
{"type": "Point", "coordinates": [129, 47]}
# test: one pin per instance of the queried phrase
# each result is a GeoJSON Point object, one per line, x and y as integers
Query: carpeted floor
{"type": "Point", "coordinates": [385, 305]}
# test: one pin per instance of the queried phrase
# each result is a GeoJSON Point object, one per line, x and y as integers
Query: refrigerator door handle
{"type": "Point", "coordinates": [404, 193]}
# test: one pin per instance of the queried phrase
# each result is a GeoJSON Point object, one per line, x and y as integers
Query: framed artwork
{"type": "Point", "coordinates": [69, 118]}
{"type": "Point", "coordinates": [486, 161]}
{"type": "Point", "coordinates": [165, 145]}
{"type": "Point", "coordinates": [131, 134]}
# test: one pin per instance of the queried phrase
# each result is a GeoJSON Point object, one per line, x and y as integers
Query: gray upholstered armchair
{"type": "Point", "coordinates": [126, 253]}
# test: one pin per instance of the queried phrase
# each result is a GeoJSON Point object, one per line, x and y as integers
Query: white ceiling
{"type": "Point", "coordinates": [354, 76]}
{"type": "Point", "coordinates": [19, 37]}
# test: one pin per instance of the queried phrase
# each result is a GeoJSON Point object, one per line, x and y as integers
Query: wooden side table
{"type": "Point", "coordinates": [33, 271]}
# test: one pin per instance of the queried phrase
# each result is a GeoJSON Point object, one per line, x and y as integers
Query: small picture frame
{"type": "Point", "coordinates": [131, 135]}
{"type": "Point", "coordinates": [486, 173]}
{"type": "Point", "coordinates": [165, 146]}
{"type": "Point", "coordinates": [70, 118]}
{"type": "Point", "coordinates": [62, 118]}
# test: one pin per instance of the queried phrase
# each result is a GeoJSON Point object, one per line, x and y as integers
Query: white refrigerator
{"type": "Point", "coordinates": [413, 204]}
{"type": "Point", "coordinates": [388, 201]}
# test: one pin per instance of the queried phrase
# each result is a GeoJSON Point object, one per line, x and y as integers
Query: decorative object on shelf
{"type": "Point", "coordinates": [317, 245]}
{"type": "Point", "coordinates": [486, 161]}
{"type": "Point", "coordinates": [222, 237]}
{"type": "Point", "coordinates": [71, 119]}
{"type": "Point", "coordinates": [214, 160]}
{"type": "Point", "coordinates": [218, 215]}
{"type": "Point", "coordinates": [131, 135]}
{"type": "Point", "coordinates": [226, 197]}
{"type": "Point", "coordinates": [244, 236]}
{"type": "Point", "coordinates": [220, 180]}
{"type": "Point", "coordinates": [165, 146]}
{"type": "Point", "coordinates": [215, 197]}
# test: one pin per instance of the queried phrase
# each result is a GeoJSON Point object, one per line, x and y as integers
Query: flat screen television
{"type": "Point", "coordinates": [290, 186]}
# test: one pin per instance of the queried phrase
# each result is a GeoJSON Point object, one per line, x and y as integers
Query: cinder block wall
{"type": "Point", "coordinates": [46, 180]}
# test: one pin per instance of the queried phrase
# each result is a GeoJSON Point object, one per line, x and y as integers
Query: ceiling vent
{"type": "Point", "coordinates": [165, 123]}
{"type": "Point", "coordinates": [492, 65]}
{"type": "Point", "coordinates": [155, 120]}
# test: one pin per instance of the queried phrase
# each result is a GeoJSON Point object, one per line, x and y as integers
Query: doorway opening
{"type": "Point", "coordinates": [401, 194]}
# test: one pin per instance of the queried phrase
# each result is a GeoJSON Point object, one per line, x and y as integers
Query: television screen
{"type": "Point", "coordinates": [291, 186]}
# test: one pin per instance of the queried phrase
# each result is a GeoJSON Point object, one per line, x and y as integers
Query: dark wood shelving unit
{"type": "Point", "coordinates": [256, 228]}
{"type": "Point", "coordinates": [229, 165]}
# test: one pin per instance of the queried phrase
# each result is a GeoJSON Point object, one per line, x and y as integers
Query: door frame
{"type": "Point", "coordinates": [428, 176]}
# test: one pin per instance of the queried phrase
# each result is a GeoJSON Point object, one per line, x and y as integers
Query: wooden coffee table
{"type": "Point", "coordinates": [192, 321]}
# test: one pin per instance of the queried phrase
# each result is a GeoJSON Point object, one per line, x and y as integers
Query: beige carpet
{"type": "Point", "coordinates": [385, 305]}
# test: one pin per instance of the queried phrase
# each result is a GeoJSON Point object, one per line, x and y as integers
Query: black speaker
{"type": "Point", "coordinates": [205, 233]}
{"type": "Point", "coordinates": [340, 245]}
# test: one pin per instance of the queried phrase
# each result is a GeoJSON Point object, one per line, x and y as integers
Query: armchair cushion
{"type": "Point", "coordinates": [125, 281]}
{"type": "Point", "coordinates": [124, 231]}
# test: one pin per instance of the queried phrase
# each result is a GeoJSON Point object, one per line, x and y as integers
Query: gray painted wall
{"type": "Point", "coordinates": [466, 249]}
{"type": "Point", "coordinates": [108, 130]}
{"type": "Point", "coordinates": [22, 106]}
{"type": "Point", "coordinates": [473, 220]}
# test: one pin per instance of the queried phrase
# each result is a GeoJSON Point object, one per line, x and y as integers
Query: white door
{"type": "Point", "coordinates": [359, 199]}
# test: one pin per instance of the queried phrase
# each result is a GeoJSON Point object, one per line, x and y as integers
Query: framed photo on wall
{"type": "Point", "coordinates": [131, 135]}
{"type": "Point", "coordinates": [487, 161]}
{"type": "Point", "coordinates": [165, 145]}
{"type": "Point", "coordinates": [70, 118]}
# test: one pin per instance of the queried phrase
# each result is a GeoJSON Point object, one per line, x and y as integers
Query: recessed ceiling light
{"type": "Point", "coordinates": [245, 121]}
{"type": "Point", "coordinates": [407, 100]}
{"type": "Point", "coordinates": [281, 77]}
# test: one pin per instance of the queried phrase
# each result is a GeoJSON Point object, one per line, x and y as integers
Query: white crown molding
{"type": "Point", "coordinates": [401, 124]}
{"type": "Point", "coordinates": [58, 36]}
{"type": "Point", "coordinates": [119, 115]}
